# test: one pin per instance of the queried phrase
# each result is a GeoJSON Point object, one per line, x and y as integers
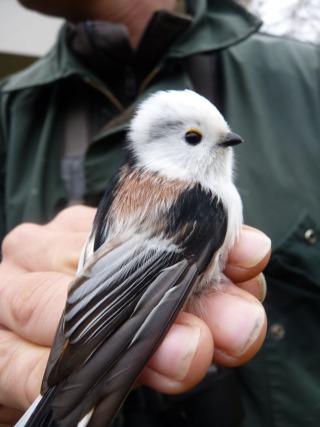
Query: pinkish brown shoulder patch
{"type": "Point", "coordinates": [143, 194]}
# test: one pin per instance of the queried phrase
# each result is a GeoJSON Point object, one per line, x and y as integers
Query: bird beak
{"type": "Point", "coordinates": [230, 140]}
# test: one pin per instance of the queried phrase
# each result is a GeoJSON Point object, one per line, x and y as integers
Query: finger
{"type": "Point", "coordinates": [237, 321]}
{"type": "Point", "coordinates": [249, 256]}
{"type": "Point", "coordinates": [9, 416]}
{"type": "Point", "coordinates": [256, 287]}
{"type": "Point", "coordinates": [31, 247]}
{"type": "Point", "coordinates": [32, 303]}
{"type": "Point", "coordinates": [76, 218]}
{"type": "Point", "coordinates": [182, 359]}
{"type": "Point", "coordinates": [22, 366]}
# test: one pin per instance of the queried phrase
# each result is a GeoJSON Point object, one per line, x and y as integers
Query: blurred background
{"type": "Point", "coordinates": [26, 35]}
{"type": "Point", "coordinates": [299, 19]}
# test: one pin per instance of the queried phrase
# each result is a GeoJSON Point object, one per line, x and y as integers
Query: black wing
{"type": "Point", "coordinates": [122, 305]}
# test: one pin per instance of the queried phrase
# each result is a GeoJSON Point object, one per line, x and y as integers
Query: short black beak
{"type": "Point", "coordinates": [230, 140]}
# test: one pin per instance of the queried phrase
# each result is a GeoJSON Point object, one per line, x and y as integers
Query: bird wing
{"type": "Point", "coordinates": [120, 307]}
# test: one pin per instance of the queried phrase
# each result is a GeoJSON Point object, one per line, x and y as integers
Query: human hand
{"type": "Point", "coordinates": [230, 328]}
{"type": "Point", "coordinates": [39, 263]}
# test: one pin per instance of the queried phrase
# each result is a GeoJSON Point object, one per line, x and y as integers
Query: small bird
{"type": "Point", "coordinates": [160, 240]}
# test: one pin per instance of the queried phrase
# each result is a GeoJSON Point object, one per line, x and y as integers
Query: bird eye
{"type": "Point", "coordinates": [193, 137]}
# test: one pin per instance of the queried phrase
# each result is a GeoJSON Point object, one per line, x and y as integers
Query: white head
{"type": "Point", "coordinates": [180, 134]}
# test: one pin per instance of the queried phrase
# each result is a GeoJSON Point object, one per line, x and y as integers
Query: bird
{"type": "Point", "coordinates": [159, 243]}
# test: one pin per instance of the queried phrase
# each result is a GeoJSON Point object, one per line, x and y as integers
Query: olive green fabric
{"type": "Point", "coordinates": [270, 91]}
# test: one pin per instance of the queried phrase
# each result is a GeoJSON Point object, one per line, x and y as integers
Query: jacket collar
{"type": "Point", "coordinates": [216, 24]}
{"type": "Point", "coordinates": [105, 48]}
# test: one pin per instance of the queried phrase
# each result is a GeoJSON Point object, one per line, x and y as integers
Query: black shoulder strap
{"type": "Point", "coordinates": [75, 141]}
{"type": "Point", "coordinates": [204, 71]}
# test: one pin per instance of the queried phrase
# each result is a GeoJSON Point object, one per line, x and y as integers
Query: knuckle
{"type": "Point", "coordinates": [74, 218]}
{"type": "Point", "coordinates": [22, 307]}
{"type": "Point", "coordinates": [66, 214]}
{"type": "Point", "coordinates": [19, 236]}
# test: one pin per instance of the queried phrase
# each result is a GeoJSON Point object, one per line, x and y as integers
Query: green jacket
{"type": "Point", "coordinates": [271, 97]}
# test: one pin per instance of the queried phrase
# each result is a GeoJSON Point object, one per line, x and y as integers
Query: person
{"type": "Point", "coordinates": [62, 126]}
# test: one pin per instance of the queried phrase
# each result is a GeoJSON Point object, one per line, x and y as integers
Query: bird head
{"type": "Point", "coordinates": [180, 134]}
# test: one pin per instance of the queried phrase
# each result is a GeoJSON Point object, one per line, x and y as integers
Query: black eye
{"type": "Point", "coordinates": [193, 137]}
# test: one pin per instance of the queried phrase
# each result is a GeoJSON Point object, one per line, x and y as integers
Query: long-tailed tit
{"type": "Point", "coordinates": [160, 240]}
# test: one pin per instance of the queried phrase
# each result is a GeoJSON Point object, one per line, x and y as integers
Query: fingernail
{"type": "Point", "coordinates": [238, 323]}
{"type": "Point", "coordinates": [175, 355]}
{"type": "Point", "coordinates": [262, 287]}
{"type": "Point", "coordinates": [251, 248]}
